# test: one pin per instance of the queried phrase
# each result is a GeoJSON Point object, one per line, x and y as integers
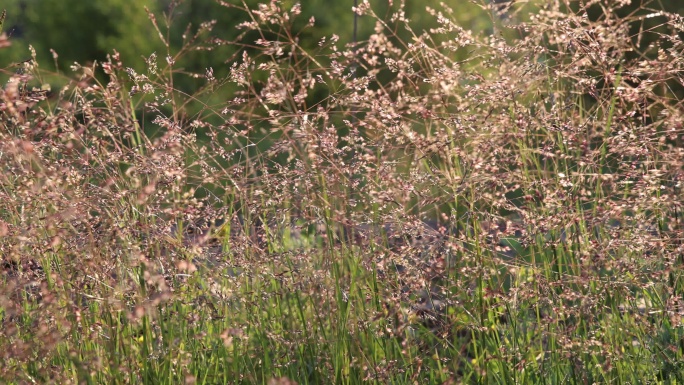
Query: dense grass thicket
{"type": "Point", "coordinates": [385, 212]}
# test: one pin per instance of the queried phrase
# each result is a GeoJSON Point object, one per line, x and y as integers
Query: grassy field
{"type": "Point", "coordinates": [512, 218]}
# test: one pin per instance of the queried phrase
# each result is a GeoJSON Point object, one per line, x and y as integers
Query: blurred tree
{"type": "Point", "coordinates": [13, 29]}
{"type": "Point", "coordinates": [88, 30]}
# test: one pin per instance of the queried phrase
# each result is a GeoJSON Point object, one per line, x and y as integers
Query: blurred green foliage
{"type": "Point", "coordinates": [84, 31]}
{"type": "Point", "coordinates": [80, 31]}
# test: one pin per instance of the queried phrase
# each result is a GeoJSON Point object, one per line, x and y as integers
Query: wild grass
{"type": "Point", "coordinates": [515, 217]}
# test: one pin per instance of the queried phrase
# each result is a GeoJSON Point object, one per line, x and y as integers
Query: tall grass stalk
{"type": "Point", "coordinates": [511, 217]}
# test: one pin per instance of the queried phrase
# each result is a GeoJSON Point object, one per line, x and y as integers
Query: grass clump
{"type": "Point", "coordinates": [514, 217]}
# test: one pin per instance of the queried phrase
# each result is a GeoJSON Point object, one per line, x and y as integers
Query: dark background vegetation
{"type": "Point", "coordinates": [85, 31]}
{"type": "Point", "coordinates": [82, 31]}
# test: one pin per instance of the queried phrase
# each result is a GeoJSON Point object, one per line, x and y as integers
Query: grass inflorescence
{"type": "Point", "coordinates": [512, 217]}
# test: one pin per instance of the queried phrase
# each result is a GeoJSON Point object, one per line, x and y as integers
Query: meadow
{"type": "Point", "coordinates": [458, 207]}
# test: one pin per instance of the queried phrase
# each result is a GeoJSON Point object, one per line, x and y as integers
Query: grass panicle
{"type": "Point", "coordinates": [491, 207]}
